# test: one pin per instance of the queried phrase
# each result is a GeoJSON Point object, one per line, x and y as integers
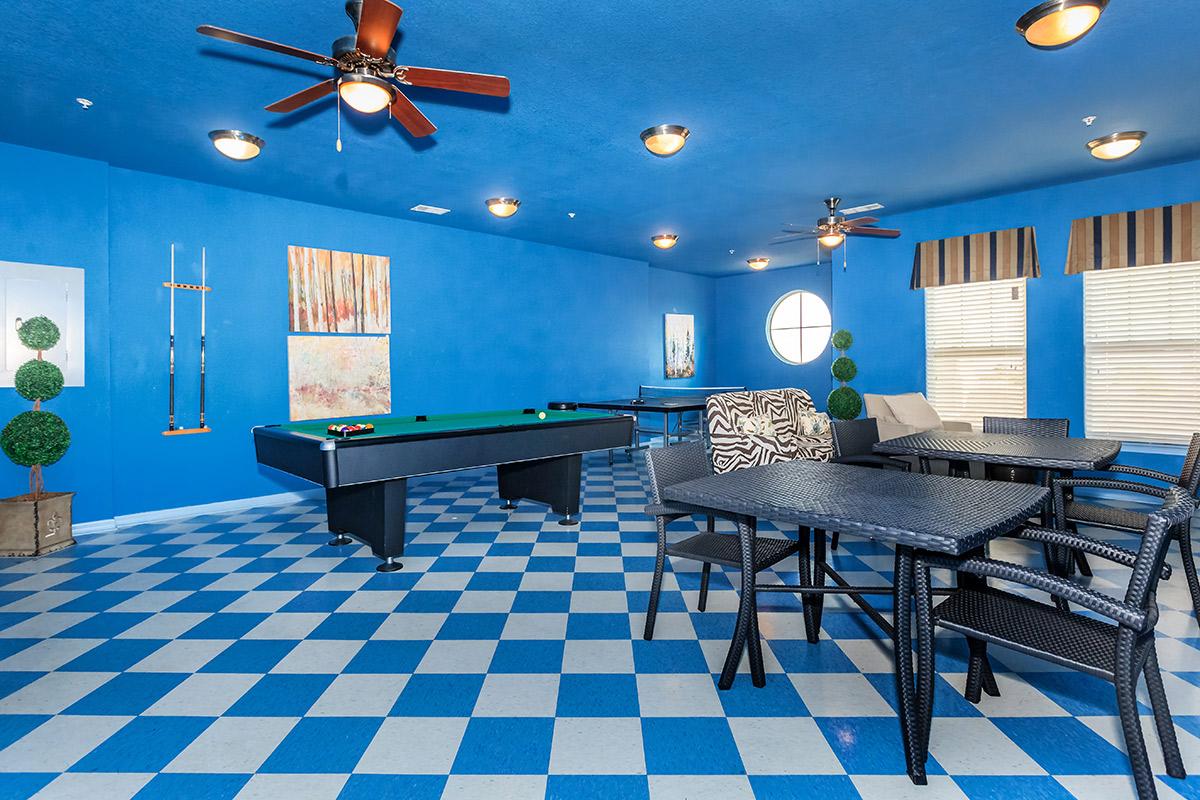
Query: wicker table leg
{"type": "Point", "coordinates": [741, 630]}
{"type": "Point", "coordinates": [923, 593]}
{"type": "Point", "coordinates": [812, 627]}
{"type": "Point", "coordinates": [910, 727]}
{"type": "Point", "coordinates": [818, 579]}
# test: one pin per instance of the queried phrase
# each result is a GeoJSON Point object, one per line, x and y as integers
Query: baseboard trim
{"type": "Point", "coordinates": [168, 514]}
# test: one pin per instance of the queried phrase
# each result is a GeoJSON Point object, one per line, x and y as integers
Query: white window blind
{"type": "Point", "coordinates": [1142, 353]}
{"type": "Point", "coordinates": [975, 350]}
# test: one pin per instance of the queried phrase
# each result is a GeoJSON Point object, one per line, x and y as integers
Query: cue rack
{"type": "Point", "coordinates": [202, 288]}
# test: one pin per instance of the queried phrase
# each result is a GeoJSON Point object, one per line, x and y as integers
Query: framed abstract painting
{"type": "Point", "coordinates": [680, 345]}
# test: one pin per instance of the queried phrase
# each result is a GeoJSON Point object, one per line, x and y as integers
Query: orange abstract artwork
{"type": "Point", "coordinates": [334, 292]}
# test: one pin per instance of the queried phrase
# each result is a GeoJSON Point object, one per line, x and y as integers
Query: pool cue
{"type": "Point", "coordinates": [203, 292]}
{"type": "Point", "coordinates": [171, 402]}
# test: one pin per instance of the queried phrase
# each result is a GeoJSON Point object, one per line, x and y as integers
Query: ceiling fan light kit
{"type": "Point", "coordinates": [665, 241]}
{"type": "Point", "coordinates": [665, 140]}
{"type": "Point", "coordinates": [237, 145]}
{"type": "Point", "coordinates": [503, 207]}
{"type": "Point", "coordinates": [831, 240]}
{"type": "Point", "coordinates": [759, 263]}
{"type": "Point", "coordinates": [1059, 23]}
{"type": "Point", "coordinates": [1116, 146]}
{"type": "Point", "coordinates": [364, 92]}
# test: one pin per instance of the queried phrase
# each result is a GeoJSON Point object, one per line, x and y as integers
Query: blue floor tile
{"type": "Point", "coordinates": [281, 696]}
{"type": "Point", "coordinates": [173, 786]}
{"type": "Point", "coordinates": [525, 656]}
{"type": "Point", "coordinates": [796, 787]}
{"type": "Point", "coordinates": [407, 787]}
{"type": "Point", "coordinates": [597, 696]}
{"type": "Point", "coordinates": [438, 696]}
{"type": "Point", "coordinates": [128, 693]}
{"type": "Point", "coordinates": [597, 787]}
{"type": "Point", "coordinates": [250, 655]}
{"type": "Point", "coordinates": [778, 698]}
{"type": "Point", "coordinates": [668, 656]}
{"type": "Point", "coordinates": [1064, 745]}
{"type": "Point", "coordinates": [505, 746]}
{"type": "Point", "coordinates": [381, 656]}
{"type": "Point", "coordinates": [690, 746]}
{"type": "Point", "coordinates": [869, 745]}
{"type": "Point", "coordinates": [323, 745]}
{"type": "Point", "coordinates": [145, 744]}
{"type": "Point", "coordinates": [1006, 787]}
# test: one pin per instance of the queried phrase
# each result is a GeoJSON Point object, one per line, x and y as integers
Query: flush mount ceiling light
{"type": "Point", "coordinates": [1058, 23]}
{"type": "Point", "coordinates": [1117, 145]}
{"type": "Point", "coordinates": [664, 241]}
{"type": "Point", "coordinates": [238, 145]}
{"type": "Point", "coordinates": [758, 263]}
{"type": "Point", "coordinates": [831, 240]}
{"type": "Point", "coordinates": [365, 93]}
{"type": "Point", "coordinates": [665, 140]}
{"type": "Point", "coordinates": [503, 207]}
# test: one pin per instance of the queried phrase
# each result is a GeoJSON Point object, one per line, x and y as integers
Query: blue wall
{"type": "Point", "coordinates": [744, 357]}
{"type": "Point", "coordinates": [873, 300]}
{"type": "Point", "coordinates": [478, 321]}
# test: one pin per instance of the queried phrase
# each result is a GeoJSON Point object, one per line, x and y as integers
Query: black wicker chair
{"type": "Point", "coordinates": [1034, 426]}
{"type": "Point", "coordinates": [683, 462]}
{"type": "Point", "coordinates": [1119, 650]}
{"type": "Point", "coordinates": [1121, 519]}
{"type": "Point", "coordinates": [853, 443]}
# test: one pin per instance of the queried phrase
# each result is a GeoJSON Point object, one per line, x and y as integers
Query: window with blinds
{"type": "Point", "coordinates": [975, 350]}
{"type": "Point", "coordinates": [1141, 330]}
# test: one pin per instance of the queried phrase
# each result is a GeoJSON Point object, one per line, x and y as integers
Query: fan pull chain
{"type": "Point", "coordinates": [339, 122]}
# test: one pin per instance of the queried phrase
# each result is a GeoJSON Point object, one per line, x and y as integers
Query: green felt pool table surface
{"type": "Point", "coordinates": [442, 423]}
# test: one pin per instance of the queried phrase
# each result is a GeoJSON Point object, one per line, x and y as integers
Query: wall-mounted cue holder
{"type": "Point", "coordinates": [203, 289]}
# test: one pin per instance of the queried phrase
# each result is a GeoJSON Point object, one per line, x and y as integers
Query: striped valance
{"type": "Point", "coordinates": [1165, 235]}
{"type": "Point", "coordinates": [994, 256]}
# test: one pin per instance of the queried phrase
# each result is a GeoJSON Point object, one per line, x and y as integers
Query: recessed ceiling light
{"type": "Point", "coordinates": [758, 263]}
{"type": "Point", "coordinates": [424, 209]}
{"type": "Point", "coordinates": [665, 241]}
{"type": "Point", "coordinates": [365, 93]}
{"type": "Point", "coordinates": [1117, 145]}
{"type": "Point", "coordinates": [84, 103]}
{"type": "Point", "coordinates": [1058, 23]}
{"type": "Point", "coordinates": [503, 207]}
{"type": "Point", "coordinates": [665, 140]}
{"type": "Point", "coordinates": [571, 214]}
{"type": "Point", "coordinates": [238, 145]}
{"type": "Point", "coordinates": [860, 209]}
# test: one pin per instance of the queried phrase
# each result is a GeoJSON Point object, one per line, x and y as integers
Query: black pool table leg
{"type": "Point", "coordinates": [373, 513]}
{"type": "Point", "coordinates": [553, 481]}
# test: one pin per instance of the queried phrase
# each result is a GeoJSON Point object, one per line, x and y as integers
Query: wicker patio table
{"type": "Point", "coordinates": [933, 513]}
{"type": "Point", "coordinates": [1037, 452]}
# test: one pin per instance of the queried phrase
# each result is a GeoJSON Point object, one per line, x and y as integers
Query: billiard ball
{"type": "Point", "coordinates": [541, 415]}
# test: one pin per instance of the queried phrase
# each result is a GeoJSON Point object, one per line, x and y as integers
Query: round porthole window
{"type": "Point", "coordinates": [798, 327]}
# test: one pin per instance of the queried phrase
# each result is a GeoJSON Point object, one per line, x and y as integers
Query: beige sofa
{"type": "Point", "coordinates": [903, 414]}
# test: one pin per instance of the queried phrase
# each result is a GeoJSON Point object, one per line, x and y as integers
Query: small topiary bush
{"type": "Point", "coordinates": [38, 380]}
{"type": "Point", "coordinates": [36, 438]}
{"type": "Point", "coordinates": [843, 402]}
{"type": "Point", "coordinates": [38, 333]}
{"type": "Point", "coordinates": [844, 369]}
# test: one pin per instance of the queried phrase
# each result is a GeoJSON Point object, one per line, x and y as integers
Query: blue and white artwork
{"type": "Point", "coordinates": [680, 345]}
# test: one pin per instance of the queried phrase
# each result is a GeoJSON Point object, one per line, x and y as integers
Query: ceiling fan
{"type": "Point", "coordinates": [366, 68]}
{"type": "Point", "coordinates": [833, 229]}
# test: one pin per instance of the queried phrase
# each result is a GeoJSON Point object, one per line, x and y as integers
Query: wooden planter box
{"type": "Point", "coordinates": [31, 527]}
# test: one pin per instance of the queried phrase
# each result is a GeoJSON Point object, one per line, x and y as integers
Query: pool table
{"type": "Point", "coordinates": [537, 454]}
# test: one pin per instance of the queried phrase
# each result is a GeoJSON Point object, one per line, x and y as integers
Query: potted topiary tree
{"type": "Point", "coordinates": [38, 522]}
{"type": "Point", "coordinates": [843, 402]}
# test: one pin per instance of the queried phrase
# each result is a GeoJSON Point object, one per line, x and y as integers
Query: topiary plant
{"type": "Point", "coordinates": [37, 438]}
{"type": "Point", "coordinates": [843, 402]}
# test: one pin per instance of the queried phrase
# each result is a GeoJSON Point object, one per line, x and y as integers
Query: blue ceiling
{"type": "Point", "coordinates": [910, 104]}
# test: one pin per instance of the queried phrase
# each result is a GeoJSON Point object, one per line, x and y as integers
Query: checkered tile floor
{"type": "Point", "coordinates": [240, 656]}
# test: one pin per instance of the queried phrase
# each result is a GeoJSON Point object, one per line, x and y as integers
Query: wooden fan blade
{"type": "Point", "coordinates": [472, 82]}
{"type": "Point", "coordinates": [860, 221]}
{"type": "Point", "coordinates": [411, 117]}
{"type": "Point", "coordinates": [792, 237]}
{"type": "Point", "coordinates": [882, 233]}
{"type": "Point", "coordinates": [264, 44]}
{"type": "Point", "coordinates": [303, 98]}
{"type": "Point", "coordinates": [377, 27]}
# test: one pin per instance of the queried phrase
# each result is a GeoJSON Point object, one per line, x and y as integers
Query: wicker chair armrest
{"type": "Point", "coordinates": [1096, 547]}
{"type": "Point", "coordinates": [663, 510]}
{"type": "Point", "coordinates": [1109, 483]}
{"type": "Point", "coordinates": [1120, 612]}
{"type": "Point", "coordinates": [1152, 474]}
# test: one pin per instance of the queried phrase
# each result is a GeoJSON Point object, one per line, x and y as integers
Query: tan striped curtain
{"type": "Point", "coordinates": [1165, 235]}
{"type": "Point", "coordinates": [992, 256]}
